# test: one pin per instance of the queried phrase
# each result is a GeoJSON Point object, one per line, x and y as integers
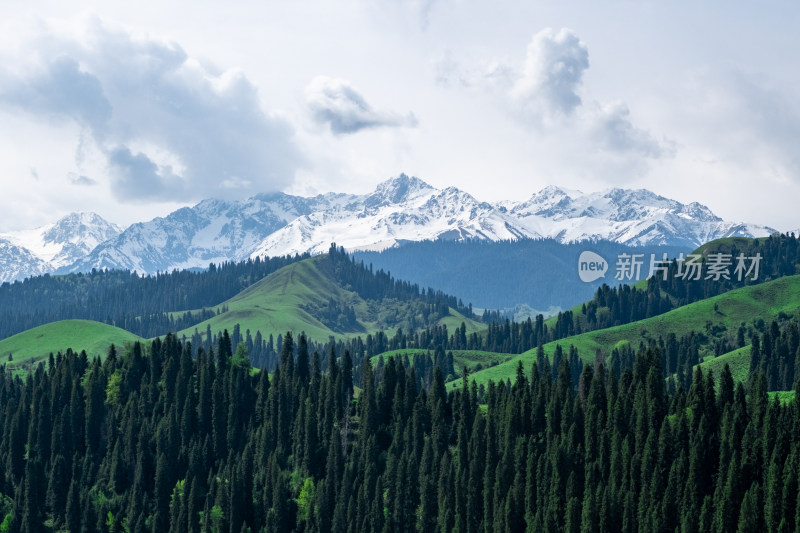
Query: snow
{"type": "Point", "coordinates": [399, 210]}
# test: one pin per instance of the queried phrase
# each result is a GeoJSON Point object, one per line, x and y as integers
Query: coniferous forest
{"type": "Point", "coordinates": [188, 435]}
{"type": "Point", "coordinates": [157, 440]}
{"type": "Point", "coordinates": [404, 266]}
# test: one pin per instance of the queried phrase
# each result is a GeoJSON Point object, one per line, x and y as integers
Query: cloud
{"type": "Point", "coordinates": [81, 180]}
{"type": "Point", "coordinates": [137, 176]}
{"type": "Point", "coordinates": [611, 128]}
{"type": "Point", "coordinates": [493, 76]}
{"type": "Point", "coordinates": [553, 73]}
{"type": "Point", "coordinates": [337, 104]}
{"type": "Point", "coordinates": [166, 124]}
{"type": "Point", "coordinates": [546, 94]}
{"type": "Point", "coordinates": [60, 90]}
{"type": "Point", "coordinates": [771, 120]}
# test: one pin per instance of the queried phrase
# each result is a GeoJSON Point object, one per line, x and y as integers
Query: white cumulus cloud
{"type": "Point", "coordinates": [553, 73]}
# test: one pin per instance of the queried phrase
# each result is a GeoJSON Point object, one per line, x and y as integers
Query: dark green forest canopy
{"type": "Point", "coordinates": [160, 441]}
{"type": "Point", "coordinates": [180, 436]}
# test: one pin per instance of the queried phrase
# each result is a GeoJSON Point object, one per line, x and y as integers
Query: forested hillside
{"type": "Point", "coordinates": [150, 306]}
{"type": "Point", "coordinates": [139, 304]}
{"type": "Point", "coordinates": [159, 441]}
{"type": "Point", "coordinates": [603, 435]}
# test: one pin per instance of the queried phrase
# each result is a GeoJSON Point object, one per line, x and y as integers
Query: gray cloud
{"type": "Point", "coordinates": [166, 124]}
{"type": "Point", "coordinates": [337, 104]}
{"type": "Point", "coordinates": [135, 175]}
{"type": "Point", "coordinates": [553, 72]}
{"type": "Point", "coordinates": [81, 180]}
{"type": "Point", "coordinates": [612, 129]}
{"type": "Point", "coordinates": [61, 90]}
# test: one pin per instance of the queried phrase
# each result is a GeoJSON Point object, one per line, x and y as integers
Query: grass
{"type": "Point", "coordinates": [470, 358]}
{"type": "Point", "coordinates": [275, 304]}
{"type": "Point", "coordinates": [36, 344]}
{"type": "Point", "coordinates": [738, 361]}
{"type": "Point", "coordinates": [727, 311]}
{"type": "Point", "coordinates": [279, 303]}
{"type": "Point", "coordinates": [724, 245]}
{"type": "Point", "coordinates": [784, 396]}
{"type": "Point", "coordinates": [454, 320]}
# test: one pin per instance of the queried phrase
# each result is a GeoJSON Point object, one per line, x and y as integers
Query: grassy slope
{"type": "Point", "coordinates": [454, 320]}
{"type": "Point", "coordinates": [738, 360]}
{"type": "Point", "coordinates": [471, 358]}
{"type": "Point", "coordinates": [274, 305]}
{"type": "Point", "coordinates": [733, 307]}
{"type": "Point", "coordinates": [725, 245]}
{"type": "Point", "coordinates": [37, 343]}
{"type": "Point", "coordinates": [785, 396]}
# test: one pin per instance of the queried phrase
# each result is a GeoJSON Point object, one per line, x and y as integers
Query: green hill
{"type": "Point", "coordinates": [36, 344]}
{"type": "Point", "coordinates": [726, 245]}
{"type": "Point", "coordinates": [470, 358]}
{"type": "Point", "coordinates": [720, 313]}
{"type": "Point", "coordinates": [297, 298]}
{"type": "Point", "coordinates": [737, 360]}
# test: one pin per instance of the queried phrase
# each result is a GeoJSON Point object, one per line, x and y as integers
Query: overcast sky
{"type": "Point", "coordinates": [132, 109]}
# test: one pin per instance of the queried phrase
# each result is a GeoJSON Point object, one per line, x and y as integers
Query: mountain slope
{"type": "Point", "coordinates": [726, 311]}
{"type": "Point", "coordinates": [66, 240]}
{"type": "Point", "coordinates": [400, 210]}
{"type": "Point", "coordinates": [212, 231]}
{"type": "Point", "coordinates": [276, 304]}
{"type": "Point", "coordinates": [37, 343]}
{"type": "Point", "coordinates": [37, 251]}
{"type": "Point", "coordinates": [17, 262]}
{"type": "Point", "coordinates": [540, 273]}
{"type": "Point", "coordinates": [633, 217]}
{"type": "Point", "coordinates": [310, 296]}
{"type": "Point", "coordinates": [407, 209]}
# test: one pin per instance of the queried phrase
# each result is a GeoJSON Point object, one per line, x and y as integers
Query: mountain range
{"type": "Point", "coordinates": [400, 210]}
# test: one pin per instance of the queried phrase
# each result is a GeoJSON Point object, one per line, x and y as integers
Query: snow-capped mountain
{"type": "Point", "coordinates": [192, 237]}
{"type": "Point", "coordinates": [37, 251]}
{"type": "Point", "coordinates": [17, 263]}
{"type": "Point", "coordinates": [634, 217]}
{"type": "Point", "coordinates": [399, 210]}
{"type": "Point", "coordinates": [67, 240]}
{"type": "Point", "coordinates": [408, 209]}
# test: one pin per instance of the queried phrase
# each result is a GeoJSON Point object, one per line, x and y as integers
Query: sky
{"type": "Point", "coordinates": [133, 109]}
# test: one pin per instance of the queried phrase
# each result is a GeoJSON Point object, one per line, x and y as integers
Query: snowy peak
{"type": "Point", "coordinates": [401, 209]}
{"type": "Point", "coordinates": [399, 190]}
{"type": "Point", "coordinates": [548, 202]}
{"type": "Point", "coordinates": [66, 240]}
{"type": "Point", "coordinates": [213, 231]}
{"type": "Point", "coordinates": [617, 205]}
{"type": "Point", "coordinates": [17, 263]}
